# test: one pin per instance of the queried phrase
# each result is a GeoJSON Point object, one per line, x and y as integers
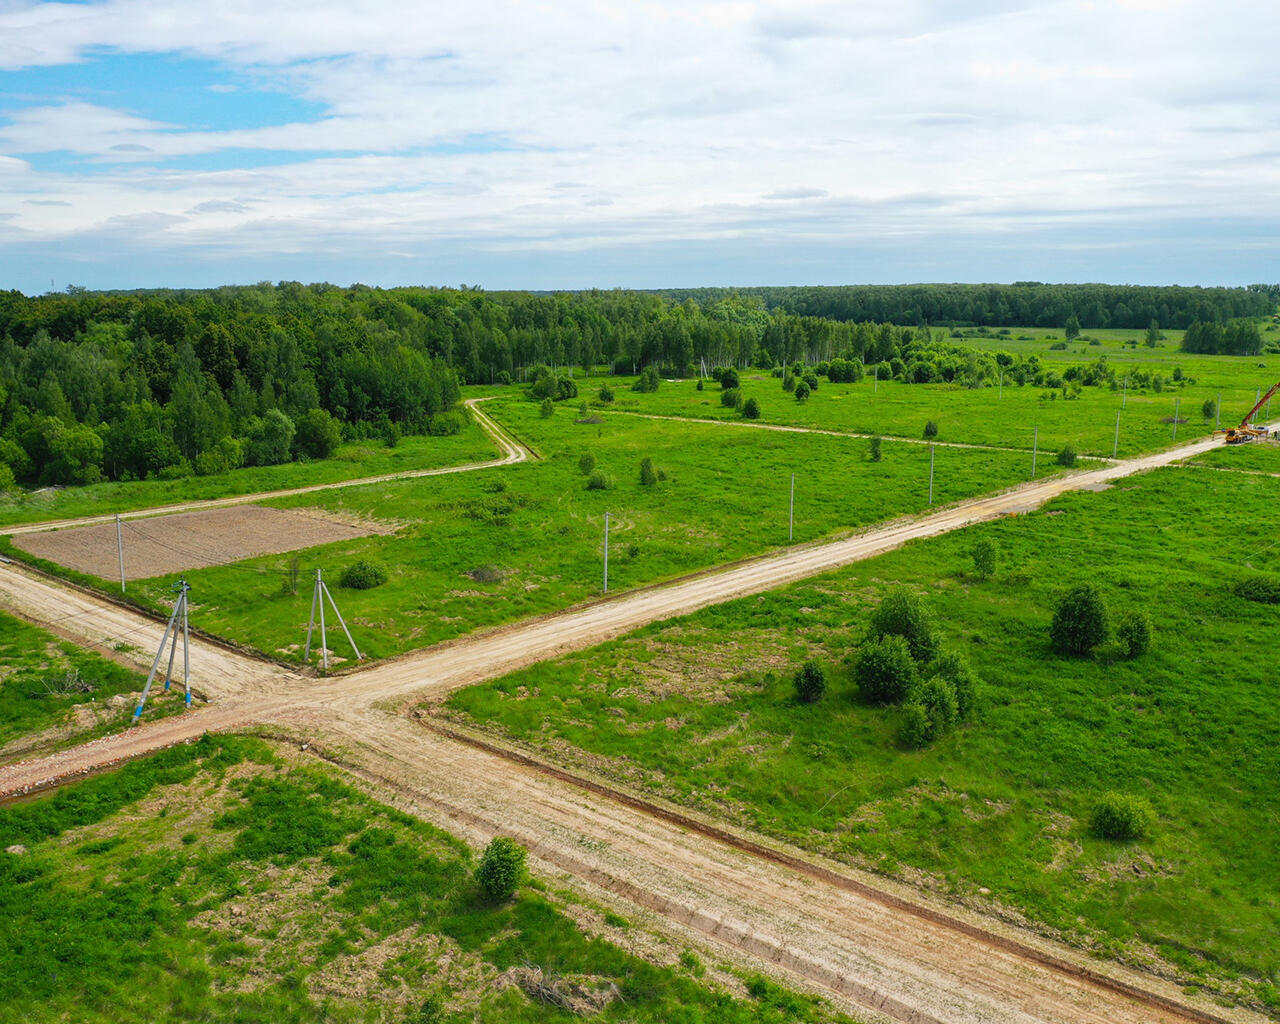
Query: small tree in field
{"type": "Point", "coordinates": [648, 475]}
{"type": "Point", "coordinates": [729, 379]}
{"type": "Point", "coordinates": [1080, 621]}
{"type": "Point", "coordinates": [902, 613]}
{"type": "Point", "coordinates": [1210, 408]}
{"type": "Point", "coordinates": [811, 683]}
{"type": "Point", "coordinates": [1072, 330]}
{"type": "Point", "coordinates": [1121, 818]}
{"type": "Point", "coordinates": [884, 670]}
{"type": "Point", "coordinates": [586, 463]}
{"type": "Point", "coordinates": [1133, 631]}
{"type": "Point", "coordinates": [501, 869]}
{"type": "Point", "coordinates": [751, 409]}
{"type": "Point", "coordinates": [930, 429]}
{"type": "Point", "coordinates": [802, 392]}
{"type": "Point", "coordinates": [984, 559]}
{"type": "Point", "coordinates": [1067, 457]}
{"type": "Point", "coordinates": [546, 409]}
{"type": "Point", "coordinates": [875, 448]}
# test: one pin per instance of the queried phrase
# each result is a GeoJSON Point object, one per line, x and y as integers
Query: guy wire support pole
{"type": "Point", "coordinates": [186, 644]}
{"type": "Point", "coordinates": [120, 551]}
{"type": "Point", "coordinates": [1035, 446]}
{"type": "Point", "coordinates": [155, 664]}
{"type": "Point", "coordinates": [324, 637]}
{"type": "Point", "coordinates": [311, 623]}
{"type": "Point", "coordinates": [931, 475]}
{"type": "Point", "coordinates": [606, 552]}
{"type": "Point", "coordinates": [791, 516]}
{"type": "Point", "coordinates": [341, 621]}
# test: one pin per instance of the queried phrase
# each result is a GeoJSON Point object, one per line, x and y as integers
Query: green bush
{"type": "Point", "coordinates": [1067, 456]}
{"type": "Point", "coordinates": [1259, 587]}
{"type": "Point", "coordinates": [811, 381]}
{"type": "Point", "coordinates": [876, 445]}
{"type": "Point", "coordinates": [884, 670]}
{"type": "Point", "coordinates": [501, 869]}
{"type": "Point", "coordinates": [605, 394]}
{"type": "Point", "coordinates": [1080, 621]}
{"type": "Point", "coordinates": [915, 730]}
{"type": "Point", "coordinates": [751, 409]}
{"type": "Point", "coordinates": [700, 386]}
{"type": "Point", "coordinates": [731, 398]}
{"type": "Point", "coordinates": [586, 463]}
{"type": "Point", "coordinates": [938, 697]}
{"type": "Point", "coordinates": [599, 481]}
{"type": "Point", "coordinates": [811, 683]}
{"type": "Point", "coordinates": [1133, 631]}
{"type": "Point", "coordinates": [1121, 817]}
{"type": "Point", "coordinates": [956, 671]}
{"type": "Point", "coordinates": [802, 392]}
{"type": "Point", "coordinates": [648, 381]}
{"type": "Point", "coordinates": [546, 409]}
{"type": "Point", "coordinates": [788, 381]}
{"type": "Point", "coordinates": [931, 429]}
{"type": "Point", "coordinates": [362, 575]}
{"type": "Point", "coordinates": [648, 476]}
{"type": "Point", "coordinates": [318, 434]}
{"type": "Point", "coordinates": [984, 559]}
{"type": "Point", "coordinates": [729, 379]}
{"type": "Point", "coordinates": [1210, 409]}
{"type": "Point", "coordinates": [903, 613]}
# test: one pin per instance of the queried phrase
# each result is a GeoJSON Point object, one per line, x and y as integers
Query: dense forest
{"type": "Point", "coordinates": [126, 385]}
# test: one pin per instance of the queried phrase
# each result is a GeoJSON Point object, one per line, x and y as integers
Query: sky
{"type": "Point", "coordinates": [642, 144]}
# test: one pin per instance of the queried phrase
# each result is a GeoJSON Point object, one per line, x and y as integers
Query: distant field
{"type": "Point", "coordinates": [215, 882]}
{"type": "Point", "coordinates": [484, 548]}
{"type": "Point", "coordinates": [367, 458]}
{"type": "Point", "coordinates": [701, 710]}
{"type": "Point", "coordinates": [1008, 417]}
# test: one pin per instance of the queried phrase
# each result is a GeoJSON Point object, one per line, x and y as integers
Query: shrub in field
{"type": "Point", "coordinates": [788, 382]}
{"type": "Point", "coordinates": [700, 384]}
{"type": "Point", "coordinates": [1067, 456]}
{"type": "Point", "coordinates": [270, 439]}
{"type": "Point", "coordinates": [984, 559]}
{"type": "Point", "coordinates": [362, 575]}
{"type": "Point", "coordinates": [586, 463]}
{"type": "Point", "coordinates": [504, 377]}
{"type": "Point", "coordinates": [811, 683]}
{"type": "Point", "coordinates": [931, 708]}
{"type": "Point", "coordinates": [1080, 621]}
{"type": "Point", "coordinates": [501, 869]}
{"type": "Point", "coordinates": [884, 670]}
{"type": "Point", "coordinates": [731, 399]}
{"type": "Point", "coordinates": [875, 448]}
{"type": "Point", "coordinates": [648, 381]}
{"type": "Point", "coordinates": [605, 394]}
{"type": "Point", "coordinates": [1121, 817]}
{"type": "Point", "coordinates": [931, 429]}
{"type": "Point", "coordinates": [956, 671]}
{"type": "Point", "coordinates": [729, 379]}
{"type": "Point", "coordinates": [802, 392]}
{"type": "Point", "coordinates": [546, 409]}
{"type": "Point", "coordinates": [902, 613]}
{"type": "Point", "coordinates": [648, 475]}
{"type": "Point", "coordinates": [915, 730]}
{"type": "Point", "coordinates": [1133, 631]}
{"type": "Point", "coordinates": [318, 434]}
{"type": "Point", "coordinates": [811, 379]}
{"type": "Point", "coordinates": [751, 409]}
{"type": "Point", "coordinates": [389, 431]}
{"type": "Point", "coordinates": [1260, 587]}
{"type": "Point", "coordinates": [1210, 409]}
{"type": "Point", "coordinates": [599, 481]}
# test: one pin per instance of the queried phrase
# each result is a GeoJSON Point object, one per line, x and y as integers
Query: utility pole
{"type": "Point", "coordinates": [930, 475]}
{"type": "Point", "coordinates": [791, 519]}
{"type": "Point", "coordinates": [606, 552]}
{"type": "Point", "coordinates": [1115, 448]}
{"type": "Point", "coordinates": [1035, 447]}
{"type": "Point", "coordinates": [318, 598]}
{"type": "Point", "coordinates": [1175, 418]}
{"type": "Point", "coordinates": [120, 551]}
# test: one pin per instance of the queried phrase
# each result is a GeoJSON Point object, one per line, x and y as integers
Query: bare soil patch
{"type": "Point", "coordinates": [190, 540]}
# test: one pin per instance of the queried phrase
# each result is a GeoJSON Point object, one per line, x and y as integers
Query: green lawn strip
{"type": "Point", "coordinates": [214, 882]}
{"type": "Point", "coordinates": [351, 461]}
{"type": "Point", "coordinates": [482, 549]}
{"type": "Point", "coordinates": [42, 679]}
{"type": "Point", "coordinates": [701, 710]}
{"type": "Point", "coordinates": [1005, 417]}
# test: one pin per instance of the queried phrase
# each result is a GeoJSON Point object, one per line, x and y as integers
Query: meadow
{"type": "Point", "coordinates": [1009, 416]}
{"type": "Point", "coordinates": [350, 461]}
{"type": "Point", "coordinates": [218, 882]}
{"type": "Point", "coordinates": [484, 548]}
{"type": "Point", "coordinates": [702, 711]}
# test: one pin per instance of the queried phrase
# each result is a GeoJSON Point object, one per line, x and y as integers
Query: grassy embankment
{"type": "Point", "coordinates": [701, 710]}
{"type": "Point", "coordinates": [481, 549]}
{"type": "Point", "coordinates": [46, 683]}
{"type": "Point", "coordinates": [351, 461]}
{"type": "Point", "coordinates": [215, 882]}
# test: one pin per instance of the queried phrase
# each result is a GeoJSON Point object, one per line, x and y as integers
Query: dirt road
{"type": "Point", "coordinates": [510, 451]}
{"type": "Point", "coordinates": [862, 940]}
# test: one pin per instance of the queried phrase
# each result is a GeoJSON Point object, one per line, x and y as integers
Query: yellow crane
{"type": "Point", "coordinates": [1248, 431]}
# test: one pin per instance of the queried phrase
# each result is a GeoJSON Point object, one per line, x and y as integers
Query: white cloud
{"type": "Point", "coordinates": [545, 126]}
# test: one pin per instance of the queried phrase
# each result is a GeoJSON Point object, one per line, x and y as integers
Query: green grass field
{"type": "Point", "coordinates": [44, 680]}
{"type": "Point", "coordinates": [215, 882]}
{"type": "Point", "coordinates": [366, 458]}
{"type": "Point", "coordinates": [485, 548]}
{"type": "Point", "coordinates": [701, 710]}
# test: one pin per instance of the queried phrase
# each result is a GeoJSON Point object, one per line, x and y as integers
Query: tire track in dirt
{"type": "Point", "coordinates": [863, 950]}
{"type": "Point", "coordinates": [510, 451]}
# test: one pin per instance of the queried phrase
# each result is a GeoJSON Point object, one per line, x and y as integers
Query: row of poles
{"type": "Point", "coordinates": [180, 622]}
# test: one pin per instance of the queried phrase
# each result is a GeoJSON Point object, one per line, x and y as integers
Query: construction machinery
{"type": "Point", "coordinates": [1247, 431]}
